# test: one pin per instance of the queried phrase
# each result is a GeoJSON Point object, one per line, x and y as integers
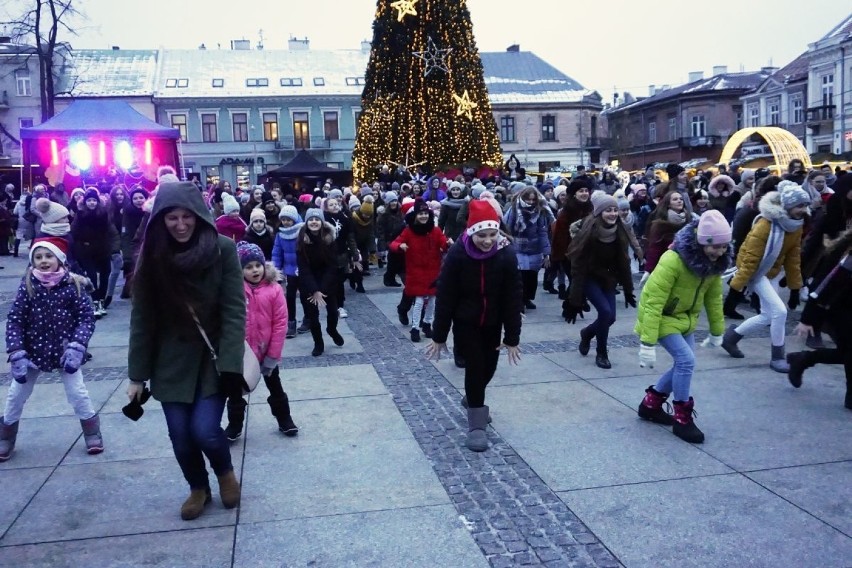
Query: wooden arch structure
{"type": "Point", "coordinates": [783, 145]}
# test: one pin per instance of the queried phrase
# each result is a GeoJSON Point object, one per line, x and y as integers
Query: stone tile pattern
{"type": "Point", "coordinates": [90, 374]}
{"type": "Point", "coordinates": [512, 514]}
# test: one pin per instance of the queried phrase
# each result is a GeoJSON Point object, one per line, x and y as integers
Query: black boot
{"type": "Point", "coordinates": [17, 247]}
{"type": "Point", "coordinates": [236, 418]}
{"type": "Point", "coordinates": [729, 308]}
{"type": "Point", "coordinates": [335, 336]}
{"type": "Point", "coordinates": [306, 325]}
{"type": "Point", "coordinates": [319, 344]}
{"type": "Point", "coordinates": [427, 330]}
{"type": "Point", "coordinates": [798, 362]}
{"type": "Point", "coordinates": [729, 343]}
{"type": "Point", "coordinates": [548, 287]}
{"type": "Point", "coordinates": [390, 280]}
{"type": "Point", "coordinates": [280, 407]}
{"type": "Point", "coordinates": [561, 291]}
{"type": "Point", "coordinates": [602, 359]}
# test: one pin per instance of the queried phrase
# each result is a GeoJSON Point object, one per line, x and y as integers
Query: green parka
{"type": "Point", "coordinates": [174, 357]}
{"type": "Point", "coordinates": [683, 282]}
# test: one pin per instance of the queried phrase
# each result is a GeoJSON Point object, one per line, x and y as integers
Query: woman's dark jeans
{"type": "Point", "coordinates": [604, 303]}
{"type": "Point", "coordinates": [195, 430]}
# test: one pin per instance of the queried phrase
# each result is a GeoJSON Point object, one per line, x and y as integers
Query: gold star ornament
{"type": "Point", "coordinates": [404, 8]}
{"type": "Point", "coordinates": [465, 105]}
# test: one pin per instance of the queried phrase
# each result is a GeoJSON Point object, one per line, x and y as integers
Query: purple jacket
{"type": "Point", "coordinates": [44, 321]}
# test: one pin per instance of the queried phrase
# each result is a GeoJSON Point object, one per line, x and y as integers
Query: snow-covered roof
{"type": "Point", "coordinates": [109, 72]}
{"type": "Point", "coordinates": [737, 82]}
{"type": "Point", "coordinates": [843, 29]}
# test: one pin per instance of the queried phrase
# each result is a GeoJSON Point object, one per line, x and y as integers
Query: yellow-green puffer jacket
{"type": "Point", "coordinates": [682, 283]}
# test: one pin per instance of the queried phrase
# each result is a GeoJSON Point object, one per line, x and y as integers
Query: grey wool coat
{"type": "Point", "coordinates": [173, 356]}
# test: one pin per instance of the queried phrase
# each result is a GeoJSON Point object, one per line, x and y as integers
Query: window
{"type": "Point", "coordinates": [330, 128]}
{"type": "Point", "coordinates": [179, 122]}
{"type": "Point", "coordinates": [240, 120]}
{"type": "Point", "coordinates": [354, 81]}
{"type": "Point", "coordinates": [243, 174]}
{"type": "Point", "coordinates": [171, 83]}
{"type": "Point", "coordinates": [828, 89]}
{"type": "Point", "coordinates": [291, 82]}
{"type": "Point", "coordinates": [218, 83]}
{"type": "Point", "coordinates": [797, 111]}
{"type": "Point", "coordinates": [738, 117]}
{"type": "Point", "coordinates": [319, 82]}
{"type": "Point", "coordinates": [754, 114]}
{"type": "Point", "coordinates": [652, 132]}
{"type": "Point", "coordinates": [507, 129]}
{"type": "Point", "coordinates": [698, 126]}
{"type": "Point", "coordinates": [357, 120]}
{"type": "Point", "coordinates": [270, 126]}
{"type": "Point", "coordinates": [301, 131]}
{"type": "Point", "coordinates": [672, 128]}
{"type": "Point", "coordinates": [773, 112]}
{"type": "Point", "coordinates": [182, 83]}
{"type": "Point", "coordinates": [548, 128]}
{"type": "Point", "coordinates": [22, 83]}
{"type": "Point", "coordinates": [257, 82]}
{"type": "Point", "coordinates": [25, 123]}
{"type": "Point", "coordinates": [208, 128]}
{"type": "Point", "coordinates": [211, 173]}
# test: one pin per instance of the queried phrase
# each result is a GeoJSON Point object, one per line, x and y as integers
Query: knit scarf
{"type": "Point", "coordinates": [606, 233]}
{"type": "Point", "coordinates": [453, 203]}
{"type": "Point", "coordinates": [523, 217]}
{"type": "Point", "coordinates": [290, 233]}
{"type": "Point", "coordinates": [475, 253]}
{"type": "Point", "coordinates": [789, 225]}
{"type": "Point", "coordinates": [56, 229]}
{"type": "Point", "coordinates": [772, 250]}
{"type": "Point", "coordinates": [677, 218]}
{"type": "Point", "coordinates": [259, 233]}
{"type": "Point", "coordinates": [49, 279]}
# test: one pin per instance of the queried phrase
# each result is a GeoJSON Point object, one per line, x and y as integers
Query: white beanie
{"type": "Point", "coordinates": [229, 204]}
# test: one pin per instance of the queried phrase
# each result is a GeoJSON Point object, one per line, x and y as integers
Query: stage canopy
{"type": "Point", "coordinates": [90, 117]}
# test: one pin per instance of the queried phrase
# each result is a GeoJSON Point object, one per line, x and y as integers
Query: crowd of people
{"type": "Point", "coordinates": [215, 274]}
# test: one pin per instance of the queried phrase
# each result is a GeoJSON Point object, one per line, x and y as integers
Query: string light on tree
{"type": "Point", "coordinates": [433, 57]}
{"type": "Point", "coordinates": [465, 105]}
{"type": "Point", "coordinates": [404, 8]}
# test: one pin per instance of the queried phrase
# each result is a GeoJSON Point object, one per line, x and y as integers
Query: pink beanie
{"type": "Point", "coordinates": [713, 229]}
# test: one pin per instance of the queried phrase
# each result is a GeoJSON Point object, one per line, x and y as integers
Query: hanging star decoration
{"type": "Point", "coordinates": [433, 57]}
{"type": "Point", "coordinates": [465, 105]}
{"type": "Point", "coordinates": [404, 8]}
{"type": "Point", "coordinates": [408, 166]}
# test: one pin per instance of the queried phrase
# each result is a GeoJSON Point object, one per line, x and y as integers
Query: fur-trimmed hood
{"type": "Point", "coordinates": [270, 273]}
{"type": "Point", "coordinates": [770, 206]}
{"type": "Point", "coordinates": [719, 184]}
{"type": "Point", "coordinates": [686, 246]}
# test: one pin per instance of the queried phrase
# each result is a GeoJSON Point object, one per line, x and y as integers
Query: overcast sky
{"type": "Point", "coordinates": [626, 44]}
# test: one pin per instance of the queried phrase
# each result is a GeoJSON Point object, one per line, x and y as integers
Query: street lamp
{"type": "Point", "coordinates": [526, 142]}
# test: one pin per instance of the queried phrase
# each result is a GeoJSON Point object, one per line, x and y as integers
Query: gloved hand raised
{"type": "Point", "coordinates": [20, 362]}
{"type": "Point", "coordinates": [794, 300]}
{"type": "Point", "coordinates": [712, 341]}
{"type": "Point", "coordinates": [72, 359]}
{"type": "Point", "coordinates": [629, 300]}
{"type": "Point", "coordinates": [647, 355]}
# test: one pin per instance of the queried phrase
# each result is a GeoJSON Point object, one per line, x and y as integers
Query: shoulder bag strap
{"type": "Point", "coordinates": [203, 333]}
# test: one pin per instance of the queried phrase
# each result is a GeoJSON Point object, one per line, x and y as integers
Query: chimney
{"type": "Point", "coordinates": [769, 70]}
{"type": "Point", "coordinates": [295, 44]}
{"type": "Point", "coordinates": [240, 45]}
{"type": "Point", "coordinates": [720, 70]}
{"type": "Point", "coordinates": [202, 47]}
{"type": "Point", "coordinates": [652, 90]}
{"type": "Point", "coordinates": [514, 48]}
{"type": "Point", "coordinates": [695, 76]}
{"type": "Point", "coordinates": [664, 88]}
{"type": "Point", "coordinates": [115, 48]}
{"type": "Point", "coordinates": [366, 46]}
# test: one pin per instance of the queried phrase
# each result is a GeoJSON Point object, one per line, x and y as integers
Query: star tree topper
{"type": "Point", "coordinates": [465, 105]}
{"type": "Point", "coordinates": [404, 8]}
{"type": "Point", "coordinates": [433, 57]}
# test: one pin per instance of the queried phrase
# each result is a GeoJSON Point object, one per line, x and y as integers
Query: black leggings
{"type": "Point", "coordinates": [312, 312]}
{"type": "Point", "coordinates": [478, 347]}
{"type": "Point", "coordinates": [529, 280]}
{"type": "Point", "coordinates": [292, 290]}
{"type": "Point", "coordinates": [97, 270]}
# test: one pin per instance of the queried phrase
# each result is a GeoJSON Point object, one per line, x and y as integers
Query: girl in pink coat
{"type": "Point", "coordinates": [266, 328]}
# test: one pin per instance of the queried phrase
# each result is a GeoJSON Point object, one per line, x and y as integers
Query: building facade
{"type": "Point", "coordinates": [689, 122]}
{"type": "Point", "coordinates": [20, 100]}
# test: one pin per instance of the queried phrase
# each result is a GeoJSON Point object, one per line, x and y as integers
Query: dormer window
{"type": "Point", "coordinates": [218, 83]}
{"type": "Point", "coordinates": [291, 82]}
{"type": "Point", "coordinates": [257, 82]}
{"type": "Point", "coordinates": [354, 81]}
{"type": "Point", "coordinates": [171, 83]}
{"type": "Point", "coordinates": [319, 82]}
{"type": "Point", "coordinates": [182, 83]}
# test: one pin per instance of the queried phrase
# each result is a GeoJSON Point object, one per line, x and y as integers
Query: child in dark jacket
{"type": "Point", "coordinates": [49, 327]}
{"type": "Point", "coordinates": [284, 259]}
{"type": "Point", "coordinates": [479, 294]}
{"type": "Point", "coordinates": [266, 327]}
{"type": "Point", "coordinates": [260, 233]}
{"type": "Point", "coordinates": [318, 276]}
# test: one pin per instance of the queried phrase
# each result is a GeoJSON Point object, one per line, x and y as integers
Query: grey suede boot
{"type": "Point", "coordinates": [729, 343]}
{"type": "Point", "coordinates": [477, 422]}
{"type": "Point", "coordinates": [8, 435]}
{"type": "Point", "coordinates": [778, 362]}
{"type": "Point", "coordinates": [92, 434]}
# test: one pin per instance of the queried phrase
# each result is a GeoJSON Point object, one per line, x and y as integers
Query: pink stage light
{"type": "Point", "coordinates": [123, 155]}
{"type": "Point", "coordinates": [148, 157]}
{"type": "Point", "coordinates": [102, 153]}
{"type": "Point", "coordinates": [54, 153]}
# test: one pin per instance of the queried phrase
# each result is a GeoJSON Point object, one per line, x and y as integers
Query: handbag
{"type": "Point", "coordinates": [251, 366]}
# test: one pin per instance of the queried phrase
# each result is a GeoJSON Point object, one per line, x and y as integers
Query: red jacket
{"type": "Point", "coordinates": [266, 316]}
{"type": "Point", "coordinates": [232, 227]}
{"type": "Point", "coordinates": [422, 260]}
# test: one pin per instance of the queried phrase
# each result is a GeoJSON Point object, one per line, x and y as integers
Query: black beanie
{"type": "Point", "coordinates": [674, 170]}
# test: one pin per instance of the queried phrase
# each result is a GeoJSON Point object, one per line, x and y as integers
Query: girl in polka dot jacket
{"type": "Point", "coordinates": [48, 328]}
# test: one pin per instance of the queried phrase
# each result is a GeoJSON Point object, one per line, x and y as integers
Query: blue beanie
{"type": "Point", "coordinates": [249, 252]}
{"type": "Point", "coordinates": [314, 212]}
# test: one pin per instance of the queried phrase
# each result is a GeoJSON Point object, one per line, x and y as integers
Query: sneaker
{"type": "Point", "coordinates": [415, 335]}
{"type": "Point", "coordinates": [342, 313]}
{"type": "Point", "coordinates": [233, 432]}
{"type": "Point", "coordinates": [403, 315]}
{"type": "Point", "coordinates": [529, 305]}
{"type": "Point", "coordinates": [305, 327]}
{"type": "Point", "coordinates": [427, 330]}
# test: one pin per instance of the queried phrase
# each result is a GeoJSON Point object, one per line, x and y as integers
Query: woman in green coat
{"type": "Point", "coordinates": [187, 270]}
{"type": "Point", "coordinates": [687, 278]}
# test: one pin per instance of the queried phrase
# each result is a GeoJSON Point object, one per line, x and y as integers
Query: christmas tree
{"type": "Point", "coordinates": [424, 100]}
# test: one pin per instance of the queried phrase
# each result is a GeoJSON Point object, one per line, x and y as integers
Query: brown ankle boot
{"type": "Point", "coordinates": [229, 490]}
{"type": "Point", "coordinates": [194, 504]}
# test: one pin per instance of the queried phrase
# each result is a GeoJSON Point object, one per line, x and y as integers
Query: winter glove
{"type": "Point", "coordinates": [794, 300]}
{"type": "Point", "coordinates": [629, 300]}
{"type": "Point", "coordinates": [72, 359]}
{"type": "Point", "coordinates": [133, 409]}
{"type": "Point", "coordinates": [268, 365]}
{"type": "Point", "coordinates": [20, 362]}
{"type": "Point", "coordinates": [783, 282]}
{"type": "Point", "coordinates": [647, 355]}
{"type": "Point", "coordinates": [570, 312]}
{"type": "Point", "coordinates": [712, 341]}
{"type": "Point", "coordinates": [644, 278]}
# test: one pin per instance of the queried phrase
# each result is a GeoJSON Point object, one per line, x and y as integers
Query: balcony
{"type": "Point", "coordinates": [598, 142]}
{"type": "Point", "coordinates": [699, 141]}
{"type": "Point", "coordinates": [820, 117]}
{"type": "Point", "coordinates": [289, 143]}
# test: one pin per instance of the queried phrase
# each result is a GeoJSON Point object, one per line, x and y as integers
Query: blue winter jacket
{"type": "Point", "coordinates": [43, 321]}
{"type": "Point", "coordinates": [284, 250]}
